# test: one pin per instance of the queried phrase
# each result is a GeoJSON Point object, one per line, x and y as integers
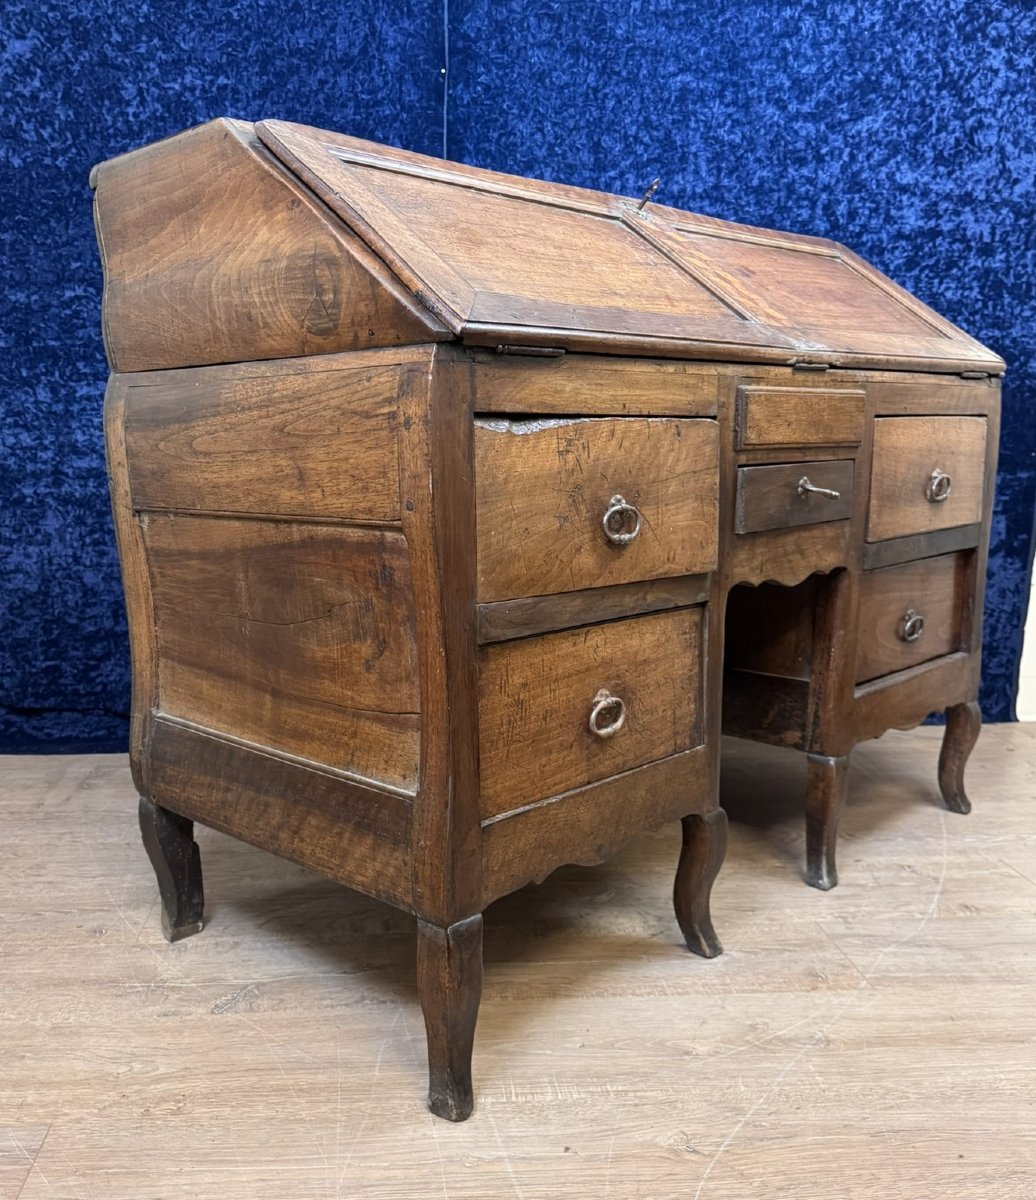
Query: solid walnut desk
{"type": "Point", "coordinates": [431, 486]}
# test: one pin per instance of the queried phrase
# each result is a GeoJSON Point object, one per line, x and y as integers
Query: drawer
{"type": "Point", "coordinates": [564, 505]}
{"type": "Point", "coordinates": [804, 493]}
{"type": "Point", "coordinates": [566, 709]}
{"type": "Point", "coordinates": [927, 473]}
{"type": "Point", "coordinates": [782, 416]}
{"type": "Point", "coordinates": [910, 614]}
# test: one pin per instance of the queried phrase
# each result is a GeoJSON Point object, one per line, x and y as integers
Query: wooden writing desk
{"type": "Point", "coordinates": [454, 508]}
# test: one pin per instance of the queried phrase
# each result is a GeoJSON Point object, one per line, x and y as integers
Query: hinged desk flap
{"type": "Point", "coordinates": [499, 258]}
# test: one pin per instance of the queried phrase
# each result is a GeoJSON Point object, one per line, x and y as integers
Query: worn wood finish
{"type": "Point", "coordinates": [537, 695]}
{"type": "Point", "coordinates": [770, 629]}
{"type": "Point", "coordinates": [963, 725]}
{"type": "Point", "coordinates": [545, 486]}
{"type": "Point", "coordinates": [449, 985]}
{"type": "Point", "coordinates": [890, 1006]}
{"type": "Point", "coordinates": [214, 253]}
{"type": "Point", "coordinates": [827, 784]}
{"type": "Point", "coordinates": [776, 498]}
{"type": "Point", "coordinates": [601, 386]}
{"type": "Point", "coordinates": [355, 834]}
{"type": "Point", "coordinates": [268, 438]}
{"type": "Point", "coordinates": [701, 856]}
{"type": "Point", "coordinates": [895, 601]}
{"type": "Point", "coordinates": [297, 637]}
{"type": "Point", "coordinates": [798, 417]}
{"type": "Point", "coordinates": [437, 456]}
{"type": "Point", "coordinates": [921, 545]}
{"type": "Point", "coordinates": [786, 556]}
{"type": "Point", "coordinates": [588, 825]}
{"type": "Point", "coordinates": [136, 585]}
{"type": "Point", "coordinates": [169, 841]}
{"type": "Point", "coordinates": [907, 450]}
{"type": "Point", "coordinates": [438, 619]}
{"type": "Point", "coordinates": [507, 619]}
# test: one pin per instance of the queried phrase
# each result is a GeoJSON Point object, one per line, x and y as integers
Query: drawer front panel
{"type": "Point", "coordinates": [909, 614]}
{"type": "Point", "coordinates": [545, 490]}
{"type": "Point", "coordinates": [927, 473]}
{"type": "Point", "coordinates": [539, 698]}
{"type": "Point", "coordinates": [781, 497]}
{"type": "Point", "coordinates": [779, 416]}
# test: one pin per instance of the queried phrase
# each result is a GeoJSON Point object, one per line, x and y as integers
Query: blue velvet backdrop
{"type": "Point", "coordinates": [905, 131]}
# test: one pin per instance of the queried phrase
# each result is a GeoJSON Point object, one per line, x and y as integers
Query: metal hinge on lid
{"type": "Point", "coordinates": [974, 374]}
{"type": "Point", "coordinates": [806, 365]}
{"type": "Point", "coordinates": [532, 351]}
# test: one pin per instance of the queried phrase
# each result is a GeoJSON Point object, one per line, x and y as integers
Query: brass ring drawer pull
{"type": "Point", "coordinates": [911, 627]}
{"type": "Point", "coordinates": [608, 714]}
{"type": "Point", "coordinates": [617, 517]}
{"type": "Point", "coordinates": [806, 488]}
{"type": "Point", "coordinates": [938, 486]}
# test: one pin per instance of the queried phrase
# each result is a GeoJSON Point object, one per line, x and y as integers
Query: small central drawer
{"type": "Point", "coordinates": [787, 416]}
{"type": "Point", "coordinates": [790, 494]}
{"type": "Point", "coordinates": [909, 614]}
{"type": "Point", "coordinates": [567, 709]}
{"type": "Point", "coordinates": [927, 473]}
{"type": "Point", "coordinates": [564, 505]}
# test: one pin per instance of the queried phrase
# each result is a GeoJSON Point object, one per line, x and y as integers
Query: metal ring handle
{"type": "Point", "coordinates": [938, 486]}
{"type": "Point", "coordinates": [805, 488]}
{"type": "Point", "coordinates": [612, 709]}
{"type": "Point", "coordinates": [616, 517]}
{"type": "Point", "coordinates": [911, 627]}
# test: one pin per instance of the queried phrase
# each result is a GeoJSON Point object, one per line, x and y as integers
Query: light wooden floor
{"type": "Point", "coordinates": [876, 1042]}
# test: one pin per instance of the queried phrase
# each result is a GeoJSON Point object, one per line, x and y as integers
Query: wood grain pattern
{"type": "Point", "coordinates": [300, 638]}
{"type": "Point", "coordinates": [449, 984]}
{"type": "Point", "coordinates": [906, 452]}
{"type": "Point", "coordinates": [212, 254]}
{"type": "Point", "coordinates": [312, 437]}
{"type": "Point", "coordinates": [515, 261]}
{"type": "Point", "coordinates": [593, 385]}
{"type": "Point", "coordinates": [921, 545]}
{"type": "Point", "coordinates": [544, 486]}
{"type": "Point", "coordinates": [355, 834]}
{"type": "Point", "coordinates": [136, 584]}
{"type": "Point", "coordinates": [293, 1017]}
{"type": "Point", "coordinates": [507, 619]}
{"type": "Point", "coordinates": [773, 416]}
{"type": "Point", "coordinates": [770, 628]}
{"type": "Point", "coordinates": [535, 698]}
{"type": "Point", "coordinates": [589, 824]}
{"type": "Point", "coordinates": [933, 588]}
{"type": "Point", "coordinates": [787, 556]}
{"type": "Point", "coordinates": [437, 460]}
{"type": "Point", "coordinates": [769, 497]}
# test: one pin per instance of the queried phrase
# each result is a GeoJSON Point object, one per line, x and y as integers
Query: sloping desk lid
{"type": "Point", "coordinates": [501, 259]}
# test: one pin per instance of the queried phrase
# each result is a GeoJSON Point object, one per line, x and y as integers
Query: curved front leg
{"type": "Point", "coordinates": [704, 845]}
{"type": "Point", "coordinates": [963, 724]}
{"type": "Point", "coordinates": [169, 842]}
{"type": "Point", "coordinates": [827, 783]}
{"type": "Point", "coordinates": [449, 985]}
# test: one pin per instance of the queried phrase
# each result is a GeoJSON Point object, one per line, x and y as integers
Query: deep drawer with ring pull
{"type": "Point", "coordinates": [804, 493]}
{"type": "Point", "coordinates": [569, 504]}
{"type": "Point", "coordinates": [927, 473]}
{"type": "Point", "coordinates": [571, 708]}
{"type": "Point", "coordinates": [909, 614]}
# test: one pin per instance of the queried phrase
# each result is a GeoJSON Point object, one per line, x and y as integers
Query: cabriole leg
{"type": "Point", "coordinates": [827, 784]}
{"type": "Point", "coordinates": [963, 723]}
{"type": "Point", "coordinates": [704, 845]}
{"type": "Point", "coordinates": [449, 984]}
{"type": "Point", "coordinates": [169, 842]}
